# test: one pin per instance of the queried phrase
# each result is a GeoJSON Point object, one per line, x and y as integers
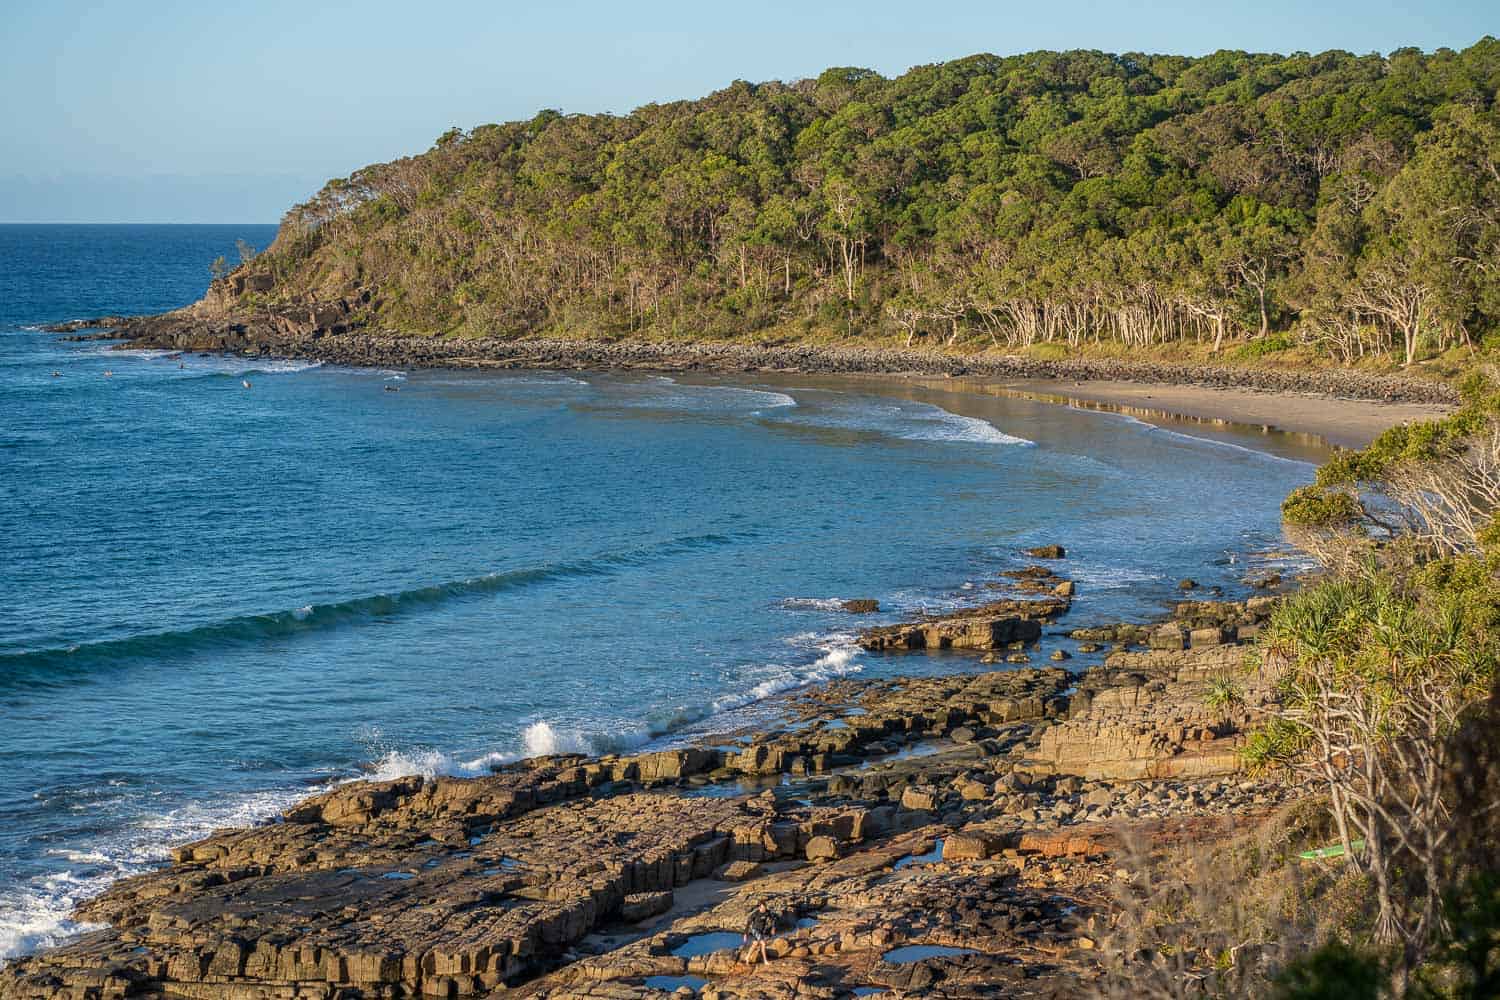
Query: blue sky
{"type": "Point", "coordinates": [197, 112]}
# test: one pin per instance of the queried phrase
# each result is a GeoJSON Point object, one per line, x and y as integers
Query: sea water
{"type": "Point", "coordinates": [215, 599]}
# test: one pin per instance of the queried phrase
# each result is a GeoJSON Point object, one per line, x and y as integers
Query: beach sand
{"type": "Point", "coordinates": [1347, 423]}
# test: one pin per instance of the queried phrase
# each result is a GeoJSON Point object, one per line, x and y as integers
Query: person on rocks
{"type": "Point", "coordinates": [760, 928]}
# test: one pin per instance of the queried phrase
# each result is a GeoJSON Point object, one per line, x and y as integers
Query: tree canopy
{"type": "Point", "coordinates": [1347, 203]}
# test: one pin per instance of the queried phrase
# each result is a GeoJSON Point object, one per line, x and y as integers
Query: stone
{"type": "Point", "coordinates": [861, 606]}
{"type": "Point", "coordinates": [974, 791]}
{"type": "Point", "coordinates": [822, 849]}
{"type": "Point", "coordinates": [1213, 636]}
{"type": "Point", "coordinates": [1061, 654]}
{"type": "Point", "coordinates": [971, 846]}
{"type": "Point", "coordinates": [1187, 584]}
{"type": "Point", "coordinates": [1047, 552]}
{"type": "Point", "coordinates": [640, 906]}
{"type": "Point", "coordinates": [1169, 637]}
{"type": "Point", "coordinates": [739, 871]}
{"type": "Point", "coordinates": [1065, 589]}
{"type": "Point", "coordinates": [920, 799]}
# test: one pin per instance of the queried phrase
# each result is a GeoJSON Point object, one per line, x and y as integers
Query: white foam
{"type": "Point", "coordinates": [37, 913]}
{"type": "Point", "coordinates": [216, 364]}
{"type": "Point", "coordinates": [1110, 577]}
{"type": "Point", "coordinates": [705, 397]}
{"type": "Point", "coordinates": [906, 421]}
{"type": "Point", "coordinates": [838, 660]}
{"type": "Point", "coordinates": [539, 739]}
{"type": "Point", "coordinates": [813, 604]}
{"type": "Point", "coordinates": [956, 427]}
{"type": "Point", "coordinates": [550, 380]}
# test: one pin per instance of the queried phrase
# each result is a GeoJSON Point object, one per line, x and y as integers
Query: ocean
{"type": "Point", "coordinates": [215, 599]}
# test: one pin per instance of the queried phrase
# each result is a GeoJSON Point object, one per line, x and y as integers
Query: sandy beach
{"type": "Point", "coordinates": [1347, 423]}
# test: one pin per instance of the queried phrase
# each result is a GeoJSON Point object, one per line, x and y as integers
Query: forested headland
{"type": "Point", "coordinates": [1330, 207]}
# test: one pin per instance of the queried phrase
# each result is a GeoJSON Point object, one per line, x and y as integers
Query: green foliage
{"type": "Point", "coordinates": [1224, 694]}
{"type": "Point", "coordinates": [1263, 347]}
{"type": "Point", "coordinates": [1424, 441]}
{"type": "Point", "coordinates": [1320, 507]}
{"type": "Point", "coordinates": [1334, 971]}
{"type": "Point", "coordinates": [1273, 747]}
{"type": "Point", "coordinates": [1466, 963]}
{"type": "Point", "coordinates": [1065, 199]}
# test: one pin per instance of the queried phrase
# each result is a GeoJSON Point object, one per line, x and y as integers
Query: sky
{"type": "Point", "coordinates": [171, 111]}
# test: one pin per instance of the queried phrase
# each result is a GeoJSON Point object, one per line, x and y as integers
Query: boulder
{"type": "Point", "coordinates": [822, 849]}
{"type": "Point", "coordinates": [920, 798]}
{"type": "Point", "coordinates": [975, 845]}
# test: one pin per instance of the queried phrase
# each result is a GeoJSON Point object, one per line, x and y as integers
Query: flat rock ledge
{"type": "Point", "coordinates": [938, 836]}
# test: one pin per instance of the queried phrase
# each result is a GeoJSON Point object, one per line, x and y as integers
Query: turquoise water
{"type": "Point", "coordinates": [214, 599]}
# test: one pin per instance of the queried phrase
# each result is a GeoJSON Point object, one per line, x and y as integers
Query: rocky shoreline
{"type": "Point", "coordinates": [320, 334]}
{"type": "Point", "coordinates": [941, 836]}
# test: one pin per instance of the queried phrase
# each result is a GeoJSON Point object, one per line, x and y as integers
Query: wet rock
{"type": "Point", "coordinates": [1047, 552]}
{"type": "Point", "coordinates": [861, 606]}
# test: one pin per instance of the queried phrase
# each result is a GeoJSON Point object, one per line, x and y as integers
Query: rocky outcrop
{"type": "Point", "coordinates": [994, 626]}
{"type": "Point", "coordinates": [973, 812]}
{"type": "Point", "coordinates": [1178, 710]}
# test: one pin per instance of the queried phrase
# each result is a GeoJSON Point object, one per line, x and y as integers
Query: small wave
{"type": "Point", "coordinates": [1211, 442]}
{"type": "Point", "coordinates": [216, 364]}
{"type": "Point", "coordinates": [49, 666]}
{"type": "Point", "coordinates": [1258, 453]}
{"type": "Point", "coordinates": [539, 739]}
{"type": "Point", "coordinates": [958, 428]}
{"type": "Point", "coordinates": [543, 380]}
{"type": "Point", "coordinates": [1092, 578]}
{"type": "Point", "coordinates": [813, 604]}
{"type": "Point", "coordinates": [37, 913]}
{"type": "Point", "coordinates": [648, 396]}
{"type": "Point", "coordinates": [838, 660]}
{"type": "Point", "coordinates": [904, 421]}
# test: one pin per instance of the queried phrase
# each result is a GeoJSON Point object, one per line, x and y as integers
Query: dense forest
{"type": "Point", "coordinates": [1338, 204]}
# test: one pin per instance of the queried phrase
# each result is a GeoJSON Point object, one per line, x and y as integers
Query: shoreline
{"type": "Point", "coordinates": [184, 331]}
{"type": "Point", "coordinates": [922, 815]}
{"type": "Point", "coordinates": [1339, 407]}
{"type": "Point", "coordinates": [1003, 784]}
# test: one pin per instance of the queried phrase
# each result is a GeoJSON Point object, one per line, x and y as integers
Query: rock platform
{"type": "Point", "coordinates": [970, 816]}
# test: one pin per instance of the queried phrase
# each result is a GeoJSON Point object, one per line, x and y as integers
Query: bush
{"type": "Point", "coordinates": [1262, 346]}
{"type": "Point", "coordinates": [1333, 972]}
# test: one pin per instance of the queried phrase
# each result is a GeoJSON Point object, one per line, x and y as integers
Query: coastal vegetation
{"type": "Point", "coordinates": [1252, 207]}
{"type": "Point", "coordinates": [1387, 707]}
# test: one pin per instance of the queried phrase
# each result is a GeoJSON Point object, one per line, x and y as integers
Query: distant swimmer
{"type": "Point", "coordinates": [57, 374]}
{"type": "Point", "coordinates": [181, 365]}
{"type": "Point", "coordinates": [245, 382]}
{"type": "Point", "coordinates": [393, 388]}
{"type": "Point", "coordinates": [108, 373]}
